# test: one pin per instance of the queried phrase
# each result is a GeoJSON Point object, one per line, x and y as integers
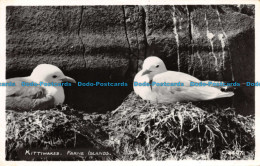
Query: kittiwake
{"type": "Point", "coordinates": [31, 97]}
{"type": "Point", "coordinates": [151, 84]}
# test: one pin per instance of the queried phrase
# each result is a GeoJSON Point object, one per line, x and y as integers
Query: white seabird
{"type": "Point", "coordinates": [154, 71]}
{"type": "Point", "coordinates": [25, 98]}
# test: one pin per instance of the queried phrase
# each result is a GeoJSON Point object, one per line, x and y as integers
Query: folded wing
{"type": "Point", "coordinates": [25, 98]}
{"type": "Point", "coordinates": [185, 92]}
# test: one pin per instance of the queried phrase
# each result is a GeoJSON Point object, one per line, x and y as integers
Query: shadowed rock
{"type": "Point", "coordinates": [109, 43]}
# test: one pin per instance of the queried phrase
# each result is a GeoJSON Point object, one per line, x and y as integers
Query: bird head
{"type": "Point", "coordinates": [152, 66]}
{"type": "Point", "coordinates": [49, 73]}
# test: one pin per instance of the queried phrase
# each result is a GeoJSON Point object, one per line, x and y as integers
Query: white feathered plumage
{"type": "Point", "coordinates": [154, 70]}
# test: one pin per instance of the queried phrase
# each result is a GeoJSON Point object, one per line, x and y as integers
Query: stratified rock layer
{"type": "Point", "coordinates": [109, 43]}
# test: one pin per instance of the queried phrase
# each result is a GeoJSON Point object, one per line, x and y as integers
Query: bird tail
{"type": "Point", "coordinates": [226, 88]}
{"type": "Point", "coordinates": [206, 93]}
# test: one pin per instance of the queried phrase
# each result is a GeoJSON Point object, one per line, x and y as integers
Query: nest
{"type": "Point", "coordinates": [136, 130]}
{"type": "Point", "coordinates": [59, 129]}
{"type": "Point", "coordinates": [143, 131]}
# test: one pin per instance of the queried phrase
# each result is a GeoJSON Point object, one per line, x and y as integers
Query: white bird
{"type": "Point", "coordinates": [25, 98]}
{"type": "Point", "coordinates": [154, 71]}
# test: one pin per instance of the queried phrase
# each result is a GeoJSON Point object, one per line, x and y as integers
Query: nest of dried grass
{"type": "Point", "coordinates": [144, 131]}
{"type": "Point", "coordinates": [58, 129]}
{"type": "Point", "coordinates": [136, 130]}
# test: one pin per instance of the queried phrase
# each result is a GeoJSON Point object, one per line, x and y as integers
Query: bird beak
{"type": "Point", "coordinates": [146, 72]}
{"type": "Point", "coordinates": [68, 79]}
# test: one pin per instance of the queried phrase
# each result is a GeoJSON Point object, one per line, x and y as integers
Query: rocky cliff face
{"type": "Point", "coordinates": [109, 43]}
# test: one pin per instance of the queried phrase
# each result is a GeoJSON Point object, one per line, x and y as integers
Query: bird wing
{"type": "Point", "coordinates": [185, 92]}
{"type": "Point", "coordinates": [25, 98]}
{"type": "Point", "coordinates": [175, 77]}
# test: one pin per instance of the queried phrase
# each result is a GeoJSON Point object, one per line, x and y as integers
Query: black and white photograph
{"type": "Point", "coordinates": [143, 82]}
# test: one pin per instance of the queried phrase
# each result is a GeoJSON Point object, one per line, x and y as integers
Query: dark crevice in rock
{"type": "Point", "coordinates": [191, 44]}
{"type": "Point", "coordinates": [126, 34]}
{"type": "Point", "coordinates": [248, 10]}
{"type": "Point", "coordinates": [138, 49]}
{"type": "Point", "coordinates": [81, 41]}
{"type": "Point", "coordinates": [176, 36]}
{"type": "Point", "coordinates": [131, 53]}
{"type": "Point", "coordinates": [231, 66]}
{"type": "Point", "coordinates": [144, 28]}
{"type": "Point", "coordinates": [218, 8]}
{"type": "Point", "coordinates": [136, 35]}
{"type": "Point", "coordinates": [190, 23]}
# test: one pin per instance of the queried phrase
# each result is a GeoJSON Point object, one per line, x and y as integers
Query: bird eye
{"type": "Point", "coordinates": [157, 66]}
{"type": "Point", "coordinates": [54, 76]}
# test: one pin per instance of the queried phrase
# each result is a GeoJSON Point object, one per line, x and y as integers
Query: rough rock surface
{"type": "Point", "coordinates": [109, 43]}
